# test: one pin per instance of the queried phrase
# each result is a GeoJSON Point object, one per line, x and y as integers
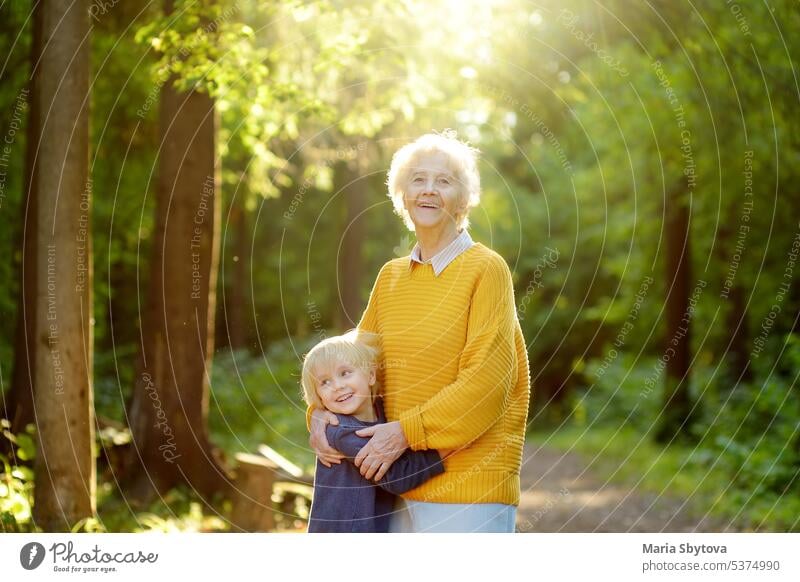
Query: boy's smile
{"type": "Point", "coordinates": [346, 389]}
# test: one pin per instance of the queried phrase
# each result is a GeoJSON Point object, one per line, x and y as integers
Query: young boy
{"type": "Point", "coordinates": [339, 375]}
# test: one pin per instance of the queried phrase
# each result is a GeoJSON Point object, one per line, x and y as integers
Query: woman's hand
{"type": "Point", "coordinates": [388, 442]}
{"type": "Point", "coordinates": [326, 454]}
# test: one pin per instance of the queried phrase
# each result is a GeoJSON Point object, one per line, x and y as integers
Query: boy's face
{"type": "Point", "coordinates": [346, 389]}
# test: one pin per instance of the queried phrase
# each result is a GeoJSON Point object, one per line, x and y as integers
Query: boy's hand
{"type": "Point", "coordinates": [388, 442]}
{"type": "Point", "coordinates": [326, 454]}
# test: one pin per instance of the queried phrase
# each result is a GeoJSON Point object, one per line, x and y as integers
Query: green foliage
{"type": "Point", "coordinates": [179, 510]}
{"type": "Point", "coordinates": [618, 394]}
{"type": "Point", "coordinates": [16, 480]}
{"type": "Point", "coordinates": [258, 400]}
{"type": "Point", "coordinates": [577, 157]}
{"type": "Point", "coordinates": [753, 432]}
{"type": "Point", "coordinates": [745, 465]}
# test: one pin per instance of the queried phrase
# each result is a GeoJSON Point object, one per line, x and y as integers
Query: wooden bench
{"type": "Point", "coordinates": [255, 481]}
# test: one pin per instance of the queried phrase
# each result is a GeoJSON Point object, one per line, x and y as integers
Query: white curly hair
{"type": "Point", "coordinates": [463, 160]}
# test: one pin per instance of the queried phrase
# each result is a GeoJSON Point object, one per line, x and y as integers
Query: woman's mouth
{"type": "Point", "coordinates": [427, 205]}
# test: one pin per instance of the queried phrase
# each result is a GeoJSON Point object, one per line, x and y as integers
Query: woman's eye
{"type": "Point", "coordinates": [444, 181]}
{"type": "Point", "coordinates": [417, 180]}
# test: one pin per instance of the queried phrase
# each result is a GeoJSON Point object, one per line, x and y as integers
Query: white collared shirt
{"type": "Point", "coordinates": [446, 256]}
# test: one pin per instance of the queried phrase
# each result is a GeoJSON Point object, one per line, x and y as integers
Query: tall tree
{"type": "Point", "coordinates": [18, 405]}
{"type": "Point", "coordinates": [65, 469]}
{"type": "Point", "coordinates": [169, 406]}
{"type": "Point", "coordinates": [351, 186]}
{"type": "Point", "coordinates": [236, 308]}
{"type": "Point", "coordinates": [677, 261]}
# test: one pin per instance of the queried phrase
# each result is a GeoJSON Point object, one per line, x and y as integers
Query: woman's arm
{"type": "Point", "coordinates": [317, 421]}
{"type": "Point", "coordinates": [409, 471]}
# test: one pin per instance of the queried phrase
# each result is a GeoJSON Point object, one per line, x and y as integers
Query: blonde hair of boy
{"type": "Point", "coordinates": [358, 348]}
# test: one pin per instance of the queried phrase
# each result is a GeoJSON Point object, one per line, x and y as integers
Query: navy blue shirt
{"type": "Point", "coordinates": [344, 501]}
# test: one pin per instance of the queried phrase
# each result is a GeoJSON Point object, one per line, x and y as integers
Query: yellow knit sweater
{"type": "Point", "coordinates": [455, 371]}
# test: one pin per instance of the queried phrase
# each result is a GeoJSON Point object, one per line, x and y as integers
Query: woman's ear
{"type": "Point", "coordinates": [461, 209]}
{"type": "Point", "coordinates": [372, 377]}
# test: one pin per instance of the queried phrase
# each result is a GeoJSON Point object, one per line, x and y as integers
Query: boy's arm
{"type": "Point", "coordinates": [411, 470]}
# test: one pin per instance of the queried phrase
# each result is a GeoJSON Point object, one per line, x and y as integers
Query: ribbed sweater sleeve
{"type": "Point", "coordinates": [411, 470]}
{"type": "Point", "coordinates": [463, 410]}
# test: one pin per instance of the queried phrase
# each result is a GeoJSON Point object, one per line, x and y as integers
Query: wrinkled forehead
{"type": "Point", "coordinates": [432, 161]}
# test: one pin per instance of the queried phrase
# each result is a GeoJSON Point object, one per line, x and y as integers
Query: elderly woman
{"type": "Point", "coordinates": [455, 371]}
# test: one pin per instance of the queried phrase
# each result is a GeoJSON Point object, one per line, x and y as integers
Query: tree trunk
{"type": "Point", "coordinates": [65, 470]}
{"type": "Point", "coordinates": [737, 351]}
{"type": "Point", "coordinates": [677, 405]}
{"type": "Point", "coordinates": [352, 188]}
{"type": "Point", "coordinates": [18, 404]}
{"type": "Point", "coordinates": [169, 407]}
{"type": "Point", "coordinates": [236, 297]}
{"type": "Point", "coordinates": [738, 355]}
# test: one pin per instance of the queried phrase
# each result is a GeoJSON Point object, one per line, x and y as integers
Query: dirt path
{"type": "Point", "coordinates": [559, 494]}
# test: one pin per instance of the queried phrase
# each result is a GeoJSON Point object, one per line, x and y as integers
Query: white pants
{"type": "Point", "coordinates": [418, 517]}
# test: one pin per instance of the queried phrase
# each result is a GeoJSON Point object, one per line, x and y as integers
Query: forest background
{"type": "Point", "coordinates": [213, 175]}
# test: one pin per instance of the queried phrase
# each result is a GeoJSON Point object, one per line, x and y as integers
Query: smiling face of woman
{"type": "Point", "coordinates": [433, 195]}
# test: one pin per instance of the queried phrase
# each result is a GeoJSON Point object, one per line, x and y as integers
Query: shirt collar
{"type": "Point", "coordinates": [447, 255]}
